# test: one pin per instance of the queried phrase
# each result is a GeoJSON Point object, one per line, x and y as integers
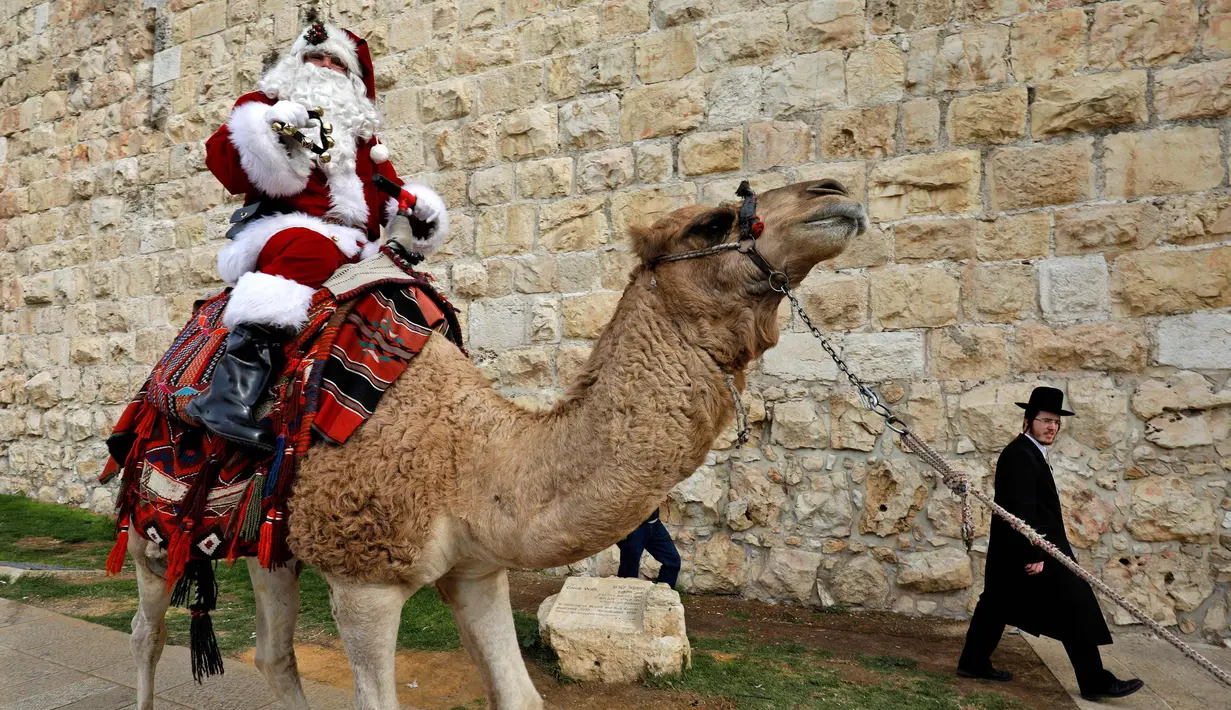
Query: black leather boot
{"type": "Point", "coordinates": [240, 379]}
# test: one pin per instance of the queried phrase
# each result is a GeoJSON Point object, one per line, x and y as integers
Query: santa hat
{"type": "Point", "coordinates": [342, 44]}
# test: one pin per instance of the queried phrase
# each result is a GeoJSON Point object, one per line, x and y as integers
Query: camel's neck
{"type": "Point", "coordinates": [641, 418]}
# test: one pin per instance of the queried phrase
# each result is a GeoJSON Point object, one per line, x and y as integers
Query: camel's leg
{"type": "Point", "coordinates": [277, 608]}
{"type": "Point", "coordinates": [480, 601]}
{"type": "Point", "coordinates": [149, 628]}
{"type": "Point", "coordinates": [368, 616]}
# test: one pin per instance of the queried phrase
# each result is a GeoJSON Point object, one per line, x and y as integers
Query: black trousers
{"type": "Point", "coordinates": [653, 538]}
{"type": "Point", "coordinates": [986, 628]}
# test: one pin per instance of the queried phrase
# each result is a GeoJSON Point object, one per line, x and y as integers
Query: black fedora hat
{"type": "Point", "coordinates": [1046, 399]}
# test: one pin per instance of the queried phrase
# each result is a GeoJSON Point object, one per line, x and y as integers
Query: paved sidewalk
{"type": "Point", "coordinates": [54, 662]}
{"type": "Point", "coordinates": [1173, 681]}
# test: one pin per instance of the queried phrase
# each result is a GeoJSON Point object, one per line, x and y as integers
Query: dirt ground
{"type": "Point", "coordinates": [446, 680]}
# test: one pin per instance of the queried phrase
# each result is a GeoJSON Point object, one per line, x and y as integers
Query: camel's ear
{"type": "Point", "coordinates": [649, 243]}
{"type": "Point", "coordinates": [712, 226]}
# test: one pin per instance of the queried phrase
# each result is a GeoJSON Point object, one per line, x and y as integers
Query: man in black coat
{"type": "Point", "coordinates": [652, 537]}
{"type": "Point", "coordinates": [1023, 586]}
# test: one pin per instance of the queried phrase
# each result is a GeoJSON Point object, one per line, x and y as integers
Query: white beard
{"type": "Point", "coordinates": [346, 105]}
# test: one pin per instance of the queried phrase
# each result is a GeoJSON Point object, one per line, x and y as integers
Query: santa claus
{"type": "Point", "coordinates": [305, 213]}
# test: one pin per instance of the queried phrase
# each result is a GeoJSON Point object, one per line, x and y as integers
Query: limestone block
{"type": "Point", "coordinates": [1000, 293]}
{"type": "Point", "coordinates": [969, 353]}
{"type": "Point", "coordinates": [894, 493]}
{"type": "Point", "coordinates": [719, 565]}
{"type": "Point", "coordinates": [825, 24]}
{"type": "Point", "coordinates": [1043, 175]}
{"type": "Point", "coordinates": [924, 411]}
{"type": "Point", "coordinates": [1142, 32]}
{"type": "Point", "coordinates": [804, 83]}
{"type": "Point", "coordinates": [942, 570]}
{"type": "Point", "coordinates": [989, 416]}
{"type": "Point", "coordinates": [653, 162]}
{"type": "Point", "coordinates": [1151, 283]}
{"type": "Point", "coordinates": [1200, 219]}
{"type": "Point", "coordinates": [625, 17]}
{"type": "Point", "coordinates": [42, 390]}
{"type": "Point", "coordinates": [605, 170]}
{"type": "Point", "coordinates": [861, 581]}
{"type": "Point", "coordinates": [573, 225]}
{"type": "Point", "coordinates": [854, 427]}
{"type": "Point", "coordinates": [1181, 391]}
{"type": "Point", "coordinates": [923, 297]}
{"type": "Point", "coordinates": [885, 356]}
{"type": "Point", "coordinates": [796, 357]}
{"type": "Point", "coordinates": [498, 324]}
{"type": "Point", "coordinates": [492, 186]}
{"type": "Point", "coordinates": [470, 279]}
{"type": "Point", "coordinates": [695, 500]}
{"type": "Point", "coordinates": [669, 13]}
{"type": "Point", "coordinates": [536, 274]}
{"type": "Point", "coordinates": [662, 56]}
{"type": "Point", "coordinates": [1105, 227]}
{"type": "Point", "coordinates": [662, 109]}
{"type": "Point", "coordinates": [1159, 583]}
{"type": "Point", "coordinates": [936, 183]}
{"type": "Point", "coordinates": [789, 575]}
{"type": "Point", "coordinates": [1086, 515]}
{"type": "Point", "coordinates": [647, 640]}
{"type": "Point", "coordinates": [1022, 236]}
{"type": "Point", "coordinates": [972, 58]}
{"type": "Point", "coordinates": [446, 100]}
{"type": "Point", "coordinates": [934, 240]}
{"type": "Point", "coordinates": [524, 369]}
{"type": "Point", "coordinates": [506, 230]}
{"type": "Point", "coordinates": [705, 153]}
{"type": "Point", "coordinates": [920, 124]}
{"type": "Point", "coordinates": [1199, 341]}
{"type": "Point", "coordinates": [859, 133]}
{"type": "Point", "coordinates": [529, 133]}
{"type": "Point", "coordinates": [776, 143]}
{"type": "Point", "coordinates": [1073, 287]}
{"type": "Point", "coordinates": [797, 425]}
{"type": "Point", "coordinates": [1167, 508]}
{"type": "Point", "coordinates": [559, 33]}
{"type": "Point", "coordinates": [991, 117]}
{"type": "Point", "coordinates": [1216, 41]}
{"type": "Point", "coordinates": [944, 509]}
{"type": "Point", "coordinates": [736, 95]}
{"type": "Point", "coordinates": [1164, 161]}
{"type": "Point", "coordinates": [822, 504]}
{"type": "Point", "coordinates": [644, 207]}
{"type": "Point", "coordinates": [1048, 44]}
{"type": "Point", "coordinates": [742, 38]}
{"type": "Point", "coordinates": [1181, 430]}
{"type": "Point", "coordinates": [540, 179]}
{"type": "Point", "coordinates": [754, 499]}
{"type": "Point", "coordinates": [585, 316]}
{"type": "Point", "coordinates": [1103, 413]}
{"type": "Point", "coordinates": [1081, 104]}
{"type": "Point", "coordinates": [886, 17]}
{"type": "Point", "coordinates": [837, 302]}
{"type": "Point", "coordinates": [1117, 346]}
{"type": "Point", "coordinates": [875, 73]}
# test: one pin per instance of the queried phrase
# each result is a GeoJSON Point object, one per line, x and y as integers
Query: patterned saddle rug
{"type": "Point", "coordinates": [202, 499]}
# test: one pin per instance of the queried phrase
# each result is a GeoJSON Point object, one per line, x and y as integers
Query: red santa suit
{"type": "Point", "coordinates": [326, 214]}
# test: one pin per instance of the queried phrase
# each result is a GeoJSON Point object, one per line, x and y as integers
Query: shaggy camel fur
{"type": "Point", "coordinates": [450, 484]}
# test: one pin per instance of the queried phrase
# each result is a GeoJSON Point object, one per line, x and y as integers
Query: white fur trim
{"type": "Point", "coordinates": [379, 153]}
{"type": "Point", "coordinates": [239, 256]}
{"type": "Point", "coordinates": [430, 208]}
{"type": "Point", "coordinates": [268, 300]}
{"type": "Point", "coordinates": [390, 211]}
{"type": "Point", "coordinates": [337, 44]}
{"type": "Point", "coordinates": [369, 249]}
{"type": "Point", "coordinates": [264, 158]}
{"type": "Point", "coordinates": [346, 194]}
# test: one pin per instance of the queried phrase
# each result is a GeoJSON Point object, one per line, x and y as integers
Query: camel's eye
{"type": "Point", "coordinates": [712, 226]}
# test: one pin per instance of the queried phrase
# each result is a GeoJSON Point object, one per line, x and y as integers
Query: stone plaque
{"type": "Point", "coordinates": [609, 603]}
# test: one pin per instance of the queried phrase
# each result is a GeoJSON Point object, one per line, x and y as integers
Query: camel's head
{"type": "Point", "coordinates": [804, 224]}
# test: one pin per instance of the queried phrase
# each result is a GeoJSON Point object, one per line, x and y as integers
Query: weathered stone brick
{"type": "Point", "coordinates": [737, 95]}
{"type": "Point", "coordinates": [1117, 346]}
{"type": "Point", "coordinates": [1081, 230]}
{"type": "Point", "coordinates": [557, 34]}
{"type": "Point", "coordinates": [1186, 159]}
{"type": "Point", "coordinates": [805, 83]}
{"type": "Point", "coordinates": [937, 183]}
{"type": "Point", "coordinates": [1216, 41]}
{"type": "Point", "coordinates": [446, 100]}
{"type": "Point", "coordinates": [1200, 219]}
{"type": "Point", "coordinates": [654, 162]}
{"type": "Point", "coordinates": [968, 353]}
{"type": "Point", "coordinates": [1082, 104]}
{"type": "Point", "coordinates": [1200, 341]}
{"type": "Point", "coordinates": [704, 153]}
{"type": "Point", "coordinates": [529, 133]}
{"type": "Point", "coordinates": [510, 88]}
{"type": "Point", "coordinates": [1073, 287]}
{"type": "Point", "coordinates": [644, 207]}
{"type": "Point", "coordinates": [477, 54]}
{"type": "Point", "coordinates": [921, 124]}
{"type": "Point", "coordinates": [797, 425]}
{"type": "Point", "coordinates": [506, 230]}
{"type": "Point", "coordinates": [573, 225]}
{"type": "Point", "coordinates": [605, 170]}
{"type": "Point", "coordinates": [934, 240]}
{"type": "Point", "coordinates": [1043, 175]}
{"type": "Point", "coordinates": [889, 17]}
{"type": "Point", "coordinates": [887, 355]}
{"type": "Point", "coordinates": [669, 13]}
{"type": "Point", "coordinates": [875, 73]}
{"type": "Point", "coordinates": [1142, 32]}
{"type": "Point", "coordinates": [1023, 236]}
{"type": "Point", "coordinates": [1049, 44]}
{"type": "Point", "coordinates": [590, 122]}
{"type": "Point", "coordinates": [835, 301]}
{"type": "Point", "coordinates": [661, 110]}
{"type": "Point", "coordinates": [662, 56]}
{"type": "Point", "coordinates": [859, 133]}
{"type": "Point", "coordinates": [972, 58]}
{"type": "Point", "coordinates": [540, 179]}
{"type": "Point", "coordinates": [1153, 283]}
{"type": "Point", "coordinates": [1000, 293]}
{"type": "Point", "coordinates": [775, 143]}
{"type": "Point", "coordinates": [585, 316]}
{"type": "Point", "coordinates": [915, 297]}
{"type": "Point", "coordinates": [498, 324]}
{"type": "Point", "coordinates": [475, 15]}
{"type": "Point", "coordinates": [492, 186]}
{"type": "Point", "coordinates": [993, 117]}
{"type": "Point", "coordinates": [1198, 91]}
{"type": "Point", "coordinates": [825, 24]}
{"type": "Point", "coordinates": [624, 17]}
{"type": "Point", "coordinates": [605, 67]}
{"type": "Point", "coordinates": [743, 38]}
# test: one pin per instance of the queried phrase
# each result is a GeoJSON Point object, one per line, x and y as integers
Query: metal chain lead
{"type": "Point", "coordinates": [743, 429]}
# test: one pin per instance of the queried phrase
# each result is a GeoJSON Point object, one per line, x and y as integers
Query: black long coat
{"type": "Point", "coordinates": [1055, 602]}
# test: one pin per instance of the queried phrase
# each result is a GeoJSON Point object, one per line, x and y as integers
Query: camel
{"type": "Point", "coordinates": [450, 484]}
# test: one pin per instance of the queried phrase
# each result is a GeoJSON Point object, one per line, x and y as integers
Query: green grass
{"type": "Point", "coordinates": [53, 534]}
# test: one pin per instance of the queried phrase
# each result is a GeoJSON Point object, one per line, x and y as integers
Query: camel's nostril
{"type": "Point", "coordinates": [827, 187]}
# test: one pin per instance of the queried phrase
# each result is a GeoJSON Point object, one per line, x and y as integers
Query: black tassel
{"type": "Point", "coordinates": [200, 584]}
{"type": "Point", "coordinates": [182, 592]}
{"type": "Point", "coordinates": [203, 647]}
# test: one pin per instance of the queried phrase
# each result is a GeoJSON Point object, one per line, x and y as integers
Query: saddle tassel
{"type": "Point", "coordinates": [272, 551]}
{"type": "Point", "coordinates": [115, 560]}
{"type": "Point", "coordinates": [178, 553]}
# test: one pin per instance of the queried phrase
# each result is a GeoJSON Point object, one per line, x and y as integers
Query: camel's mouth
{"type": "Point", "coordinates": [848, 217]}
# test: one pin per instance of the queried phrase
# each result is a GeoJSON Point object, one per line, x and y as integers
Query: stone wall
{"type": "Point", "coordinates": [1047, 182]}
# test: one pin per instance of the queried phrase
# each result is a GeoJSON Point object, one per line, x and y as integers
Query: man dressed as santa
{"type": "Point", "coordinates": [304, 215]}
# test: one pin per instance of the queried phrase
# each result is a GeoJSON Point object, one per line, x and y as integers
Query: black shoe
{"type": "Point", "coordinates": [1115, 689]}
{"type": "Point", "coordinates": [240, 378]}
{"type": "Point", "coordinates": [987, 674]}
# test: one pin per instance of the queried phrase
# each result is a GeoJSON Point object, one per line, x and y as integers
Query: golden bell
{"type": "Point", "coordinates": [320, 112]}
{"type": "Point", "coordinates": [328, 142]}
{"type": "Point", "coordinates": [326, 126]}
{"type": "Point", "coordinates": [323, 157]}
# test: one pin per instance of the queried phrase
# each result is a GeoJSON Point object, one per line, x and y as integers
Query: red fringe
{"type": "Point", "coordinates": [272, 551]}
{"type": "Point", "coordinates": [177, 555]}
{"type": "Point", "coordinates": [115, 560]}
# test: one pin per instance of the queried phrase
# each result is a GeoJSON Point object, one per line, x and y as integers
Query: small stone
{"type": "Point", "coordinates": [861, 581]}
{"type": "Point", "coordinates": [789, 574]}
{"type": "Point", "coordinates": [854, 427]}
{"type": "Point", "coordinates": [972, 58]}
{"type": "Point", "coordinates": [921, 124]}
{"type": "Point", "coordinates": [1071, 288]}
{"type": "Point", "coordinates": [541, 179]}
{"type": "Point", "coordinates": [605, 170]}
{"type": "Point", "coordinates": [590, 122]}
{"type": "Point", "coordinates": [529, 133]}
{"type": "Point", "coordinates": [796, 425]}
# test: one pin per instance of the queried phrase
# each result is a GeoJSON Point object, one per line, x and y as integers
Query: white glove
{"type": "Point", "coordinates": [429, 209]}
{"type": "Point", "coordinates": [428, 205]}
{"type": "Point", "coordinates": [288, 112]}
